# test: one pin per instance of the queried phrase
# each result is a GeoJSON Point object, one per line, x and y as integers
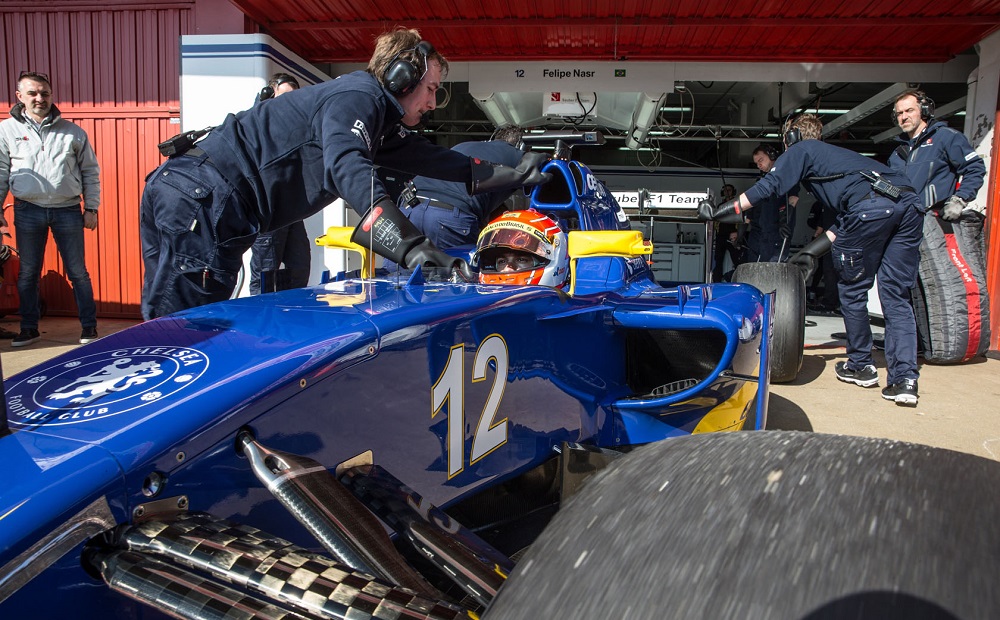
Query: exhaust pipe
{"type": "Point", "coordinates": [178, 592]}
{"type": "Point", "coordinates": [327, 509]}
{"type": "Point", "coordinates": [278, 570]}
{"type": "Point", "coordinates": [464, 557]}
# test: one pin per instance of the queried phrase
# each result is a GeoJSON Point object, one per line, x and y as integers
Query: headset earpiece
{"type": "Point", "coordinates": [266, 93]}
{"type": "Point", "coordinates": [402, 75]}
{"type": "Point", "coordinates": [926, 107]}
{"type": "Point", "coordinates": [792, 136]}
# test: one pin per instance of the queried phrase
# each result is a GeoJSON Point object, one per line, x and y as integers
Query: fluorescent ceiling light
{"type": "Point", "coordinates": [682, 108]}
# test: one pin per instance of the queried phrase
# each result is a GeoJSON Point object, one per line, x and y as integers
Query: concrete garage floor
{"type": "Point", "coordinates": [959, 406]}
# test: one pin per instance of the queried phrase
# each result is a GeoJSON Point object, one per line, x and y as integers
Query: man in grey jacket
{"type": "Point", "coordinates": [47, 163]}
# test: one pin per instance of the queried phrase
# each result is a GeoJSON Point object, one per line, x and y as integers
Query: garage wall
{"type": "Point", "coordinates": [115, 71]}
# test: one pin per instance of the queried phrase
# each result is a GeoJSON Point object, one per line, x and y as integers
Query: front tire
{"type": "Point", "coordinates": [789, 327]}
{"type": "Point", "coordinates": [773, 524]}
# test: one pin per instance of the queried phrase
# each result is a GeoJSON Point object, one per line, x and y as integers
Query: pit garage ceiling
{"type": "Point", "coordinates": [735, 30]}
{"type": "Point", "coordinates": [928, 35]}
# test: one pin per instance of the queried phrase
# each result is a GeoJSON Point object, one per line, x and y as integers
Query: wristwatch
{"type": "Point", "coordinates": [91, 210]}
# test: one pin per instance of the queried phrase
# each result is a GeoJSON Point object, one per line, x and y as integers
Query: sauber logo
{"type": "Point", "coordinates": [103, 385]}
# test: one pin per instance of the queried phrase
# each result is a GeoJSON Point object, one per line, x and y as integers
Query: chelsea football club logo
{"type": "Point", "coordinates": [102, 385]}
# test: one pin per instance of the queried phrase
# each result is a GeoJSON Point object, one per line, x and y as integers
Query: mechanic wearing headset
{"type": "Point", "coordinates": [522, 247]}
{"type": "Point", "coordinates": [939, 161]}
{"type": "Point", "coordinates": [444, 210]}
{"type": "Point", "coordinates": [878, 231]}
{"type": "Point", "coordinates": [771, 221]}
{"type": "Point", "coordinates": [279, 163]}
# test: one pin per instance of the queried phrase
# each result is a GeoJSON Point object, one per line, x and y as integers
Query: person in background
{"type": "Point", "coordinates": [820, 220]}
{"type": "Point", "coordinates": [288, 245]}
{"type": "Point", "coordinates": [47, 164]}
{"type": "Point", "coordinates": [878, 231]}
{"type": "Point", "coordinates": [445, 212]}
{"type": "Point", "coordinates": [939, 161]}
{"type": "Point", "coordinates": [727, 241]}
{"type": "Point", "coordinates": [771, 222]}
{"type": "Point", "coordinates": [279, 163]}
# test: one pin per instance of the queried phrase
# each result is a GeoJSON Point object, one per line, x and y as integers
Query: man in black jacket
{"type": "Point", "coordinates": [275, 164]}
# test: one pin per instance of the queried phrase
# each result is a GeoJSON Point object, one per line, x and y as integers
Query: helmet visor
{"type": "Point", "coordinates": [525, 240]}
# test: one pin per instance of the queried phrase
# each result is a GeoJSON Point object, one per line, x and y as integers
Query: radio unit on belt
{"type": "Point", "coordinates": [882, 186]}
{"type": "Point", "coordinates": [181, 143]}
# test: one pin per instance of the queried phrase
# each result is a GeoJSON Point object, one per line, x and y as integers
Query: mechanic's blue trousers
{"type": "Point", "coordinates": [194, 229]}
{"type": "Point", "coordinates": [446, 228]}
{"type": "Point", "coordinates": [877, 236]}
{"type": "Point", "coordinates": [288, 246]}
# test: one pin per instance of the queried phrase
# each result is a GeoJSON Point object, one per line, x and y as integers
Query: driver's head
{"type": "Point", "coordinates": [522, 247]}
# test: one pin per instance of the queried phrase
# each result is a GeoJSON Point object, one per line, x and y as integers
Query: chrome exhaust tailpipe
{"type": "Point", "coordinates": [278, 570]}
{"type": "Point", "coordinates": [464, 557]}
{"type": "Point", "coordinates": [345, 528]}
{"type": "Point", "coordinates": [178, 592]}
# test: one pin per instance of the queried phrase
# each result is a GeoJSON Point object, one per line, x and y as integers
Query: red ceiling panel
{"type": "Point", "coordinates": [737, 30]}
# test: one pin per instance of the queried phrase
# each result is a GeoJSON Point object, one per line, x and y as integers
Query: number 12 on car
{"type": "Point", "coordinates": [449, 389]}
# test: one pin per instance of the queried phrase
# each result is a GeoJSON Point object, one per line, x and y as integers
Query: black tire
{"type": "Point", "coordinates": [773, 524]}
{"type": "Point", "coordinates": [789, 327]}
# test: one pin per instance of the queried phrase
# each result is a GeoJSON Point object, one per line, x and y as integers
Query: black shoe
{"type": "Point", "coordinates": [866, 377]}
{"type": "Point", "coordinates": [904, 392]}
{"type": "Point", "coordinates": [824, 311]}
{"type": "Point", "coordinates": [89, 334]}
{"type": "Point", "coordinates": [26, 337]}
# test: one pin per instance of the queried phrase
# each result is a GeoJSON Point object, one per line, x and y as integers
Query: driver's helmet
{"type": "Point", "coordinates": [522, 247]}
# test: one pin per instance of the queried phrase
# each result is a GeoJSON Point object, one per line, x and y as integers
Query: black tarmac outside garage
{"type": "Point", "coordinates": [959, 406]}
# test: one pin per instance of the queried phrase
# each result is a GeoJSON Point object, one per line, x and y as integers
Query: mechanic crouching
{"type": "Point", "coordinates": [878, 230]}
{"type": "Point", "coordinates": [276, 164]}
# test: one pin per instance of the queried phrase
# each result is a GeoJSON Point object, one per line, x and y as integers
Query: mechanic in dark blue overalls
{"type": "Point", "coordinates": [772, 220]}
{"type": "Point", "coordinates": [276, 164]}
{"type": "Point", "coordinates": [877, 232]}
{"type": "Point", "coordinates": [444, 210]}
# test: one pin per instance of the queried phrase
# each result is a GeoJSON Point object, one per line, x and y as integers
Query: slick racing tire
{"type": "Point", "coordinates": [773, 524]}
{"type": "Point", "coordinates": [789, 327]}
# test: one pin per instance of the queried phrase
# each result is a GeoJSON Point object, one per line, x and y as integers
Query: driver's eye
{"type": "Point", "coordinates": [517, 262]}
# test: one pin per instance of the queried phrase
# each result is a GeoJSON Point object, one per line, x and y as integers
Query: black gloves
{"type": "Point", "coordinates": [953, 208]}
{"type": "Point", "coordinates": [807, 259]}
{"type": "Point", "coordinates": [727, 212]}
{"type": "Point", "coordinates": [391, 235]}
{"type": "Point", "coordinates": [785, 230]}
{"type": "Point", "coordinates": [424, 254]}
{"type": "Point", "coordinates": [490, 177]}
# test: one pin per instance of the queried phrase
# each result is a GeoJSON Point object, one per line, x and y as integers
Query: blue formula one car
{"type": "Point", "coordinates": [319, 414]}
{"type": "Point", "coordinates": [372, 447]}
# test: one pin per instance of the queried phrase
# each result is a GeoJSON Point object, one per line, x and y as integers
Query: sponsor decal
{"type": "Point", "coordinates": [361, 131]}
{"type": "Point", "coordinates": [103, 384]}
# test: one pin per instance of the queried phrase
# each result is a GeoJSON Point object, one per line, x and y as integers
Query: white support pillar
{"type": "Point", "coordinates": [982, 108]}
